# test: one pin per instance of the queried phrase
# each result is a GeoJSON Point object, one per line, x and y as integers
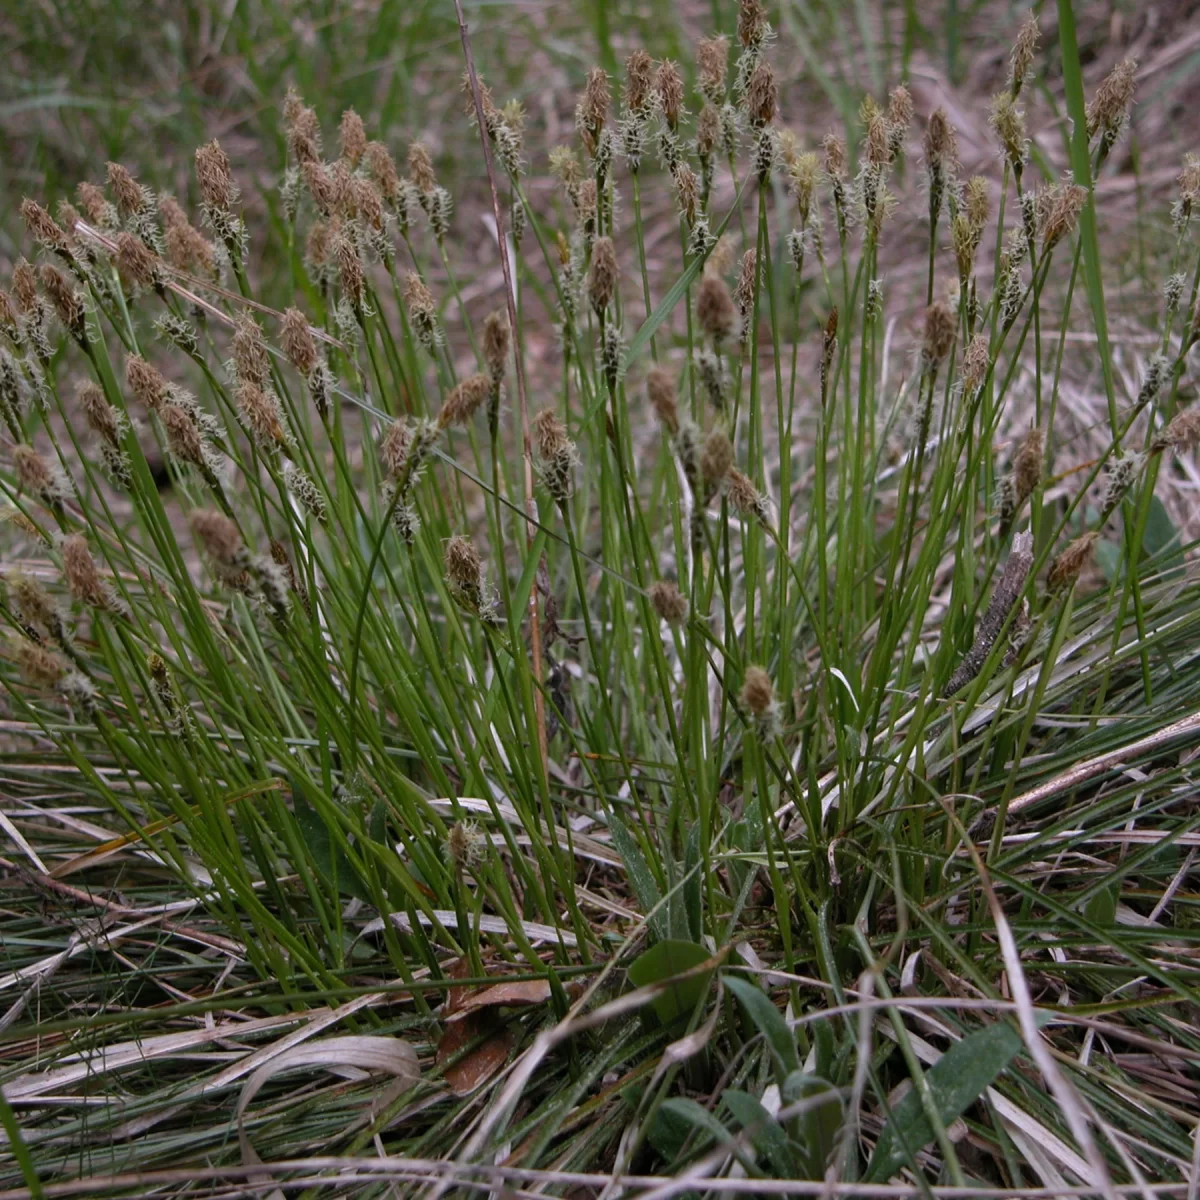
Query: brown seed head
{"type": "Point", "coordinates": [660, 387]}
{"type": "Point", "coordinates": [259, 410]}
{"type": "Point", "coordinates": [744, 498]}
{"type": "Point", "coordinates": [715, 310]}
{"type": "Point", "coordinates": [418, 297]}
{"type": "Point", "coordinates": [1065, 204]}
{"type": "Point", "coordinates": [900, 109]}
{"type": "Point", "coordinates": [68, 220]}
{"type": "Point", "coordinates": [941, 142]}
{"type": "Point", "coordinates": [708, 130]}
{"type": "Point", "coordinates": [751, 23]}
{"type": "Point", "coordinates": [669, 602]}
{"type": "Point", "coordinates": [349, 266]}
{"type": "Point", "coordinates": [550, 435]}
{"type": "Point", "coordinates": [977, 202]}
{"type": "Point", "coordinates": [1181, 433]}
{"type": "Point", "coordinates": [834, 156]}
{"type": "Point", "coordinates": [463, 568]}
{"type": "Point", "coordinates": [1027, 464]}
{"type": "Point", "coordinates": [34, 473]}
{"type": "Point", "coordinates": [215, 177]}
{"type": "Point", "coordinates": [187, 248]}
{"type": "Point", "coordinates": [146, 382]}
{"type": "Point", "coordinates": [303, 128]}
{"type": "Point", "coordinates": [68, 303]}
{"type": "Point", "coordinates": [668, 88]}
{"type": "Point", "coordinates": [420, 167]}
{"type": "Point", "coordinates": [25, 289]}
{"type": "Point", "coordinates": [33, 603]}
{"type": "Point", "coordinates": [1109, 108]}
{"type": "Point", "coordinates": [251, 361]}
{"type": "Point", "coordinates": [82, 575]}
{"type": "Point", "coordinates": [316, 246]}
{"type": "Point", "coordinates": [353, 137]}
{"type": "Point", "coordinates": [758, 692]}
{"type": "Point", "coordinates": [592, 111]}
{"type": "Point", "coordinates": [40, 668]}
{"type": "Point", "coordinates": [497, 339]}
{"type": "Point", "coordinates": [940, 329]}
{"type": "Point", "coordinates": [1007, 120]}
{"type": "Point", "coordinates": [393, 450]}
{"type": "Point", "coordinates": [136, 261]}
{"type": "Point", "coordinates": [183, 436]}
{"type": "Point", "coordinates": [687, 192]}
{"type": "Point", "coordinates": [131, 198]}
{"type": "Point", "coordinates": [716, 460]}
{"type": "Point", "coordinates": [297, 341]}
{"type": "Point", "coordinates": [712, 59]}
{"type": "Point", "coordinates": [464, 400]}
{"type": "Point", "coordinates": [878, 145]}
{"type": "Point", "coordinates": [1068, 566]}
{"type": "Point", "coordinates": [91, 200]}
{"type": "Point", "coordinates": [603, 274]}
{"type": "Point", "coordinates": [1024, 49]}
{"type": "Point", "coordinates": [8, 314]}
{"type": "Point", "coordinates": [383, 170]}
{"type": "Point", "coordinates": [218, 537]}
{"type": "Point", "coordinates": [100, 415]}
{"type": "Point", "coordinates": [747, 282]}
{"type": "Point", "coordinates": [639, 82]}
{"type": "Point", "coordinates": [1189, 180]}
{"type": "Point", "coordinates": [975, 363]}
{"type": "Point", "coordinates": [42, 226]}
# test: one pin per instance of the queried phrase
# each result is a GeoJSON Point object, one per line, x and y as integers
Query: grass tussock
{"type": "Point", "coordinates": [691, 711]}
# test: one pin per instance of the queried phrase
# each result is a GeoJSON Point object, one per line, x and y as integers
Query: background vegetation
{"type": "Point", "coordinates": [721, 711]}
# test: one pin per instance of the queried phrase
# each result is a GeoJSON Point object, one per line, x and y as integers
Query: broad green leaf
{"type": "Point", "coordinates": [328, 857]}
{"type": "Point", "coordinates": [641, 879]}
{"type": "Point", "coordinates": [819, 1123]}
{"type": "Point", "coordinates": [665, 960]}
{"type": "Point", "coordinates": [956, 1081]}
{"type": "Point", "coordinates": [766, 1135]}
{"type": "Point", "coordinates": [768, 1020]}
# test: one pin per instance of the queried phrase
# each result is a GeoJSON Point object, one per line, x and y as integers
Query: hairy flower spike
{"type": "Point", "coordinates": [761, 95]}
{"type": "Point", "coordinates": [102, 417]}
{"type": "Point", "coordinates": [1108, 112]}
{"type": "Point", "coordinates": [1119, 478]}
{"type": "Point", "coordinates": [464, 578]}
{"type": "Point", "coordinates": [745, 291]}
{"type": "Point", "coordinates": [39, 667]}
{"type": "Point", "coordinates": [591, 113]}
{"type": "Point", "coordinates": [1005, 597]}
{"type": "Point", "coordinates": [349, 267]}
{"type": "Point", "coordinates": [556, 455]}
{"type": "Point", "coordinates": [251, 360]}
{"type": "Point", "coordinates": [301, 485]}
{"type": "Point", "coordinates": [669, 602]}
{"type": "Point", "coordinates": [899, 118]}
{"type": "Point", "coordinates": [1024, 49]}
{"type": "Point", "coordinates": [745, 499]}
{"type": "Point", "coordinates": [1007, 120]}
{"type": "Point", "coordinates": [146, 382]}
{"type": "Point", "coordinates": [422, 311]}
{"type": "Point", "coordinates": [752, 27]}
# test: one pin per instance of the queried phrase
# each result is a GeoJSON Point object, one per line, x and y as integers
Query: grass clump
{"type": "Point", "coordinates": [440, 668]}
